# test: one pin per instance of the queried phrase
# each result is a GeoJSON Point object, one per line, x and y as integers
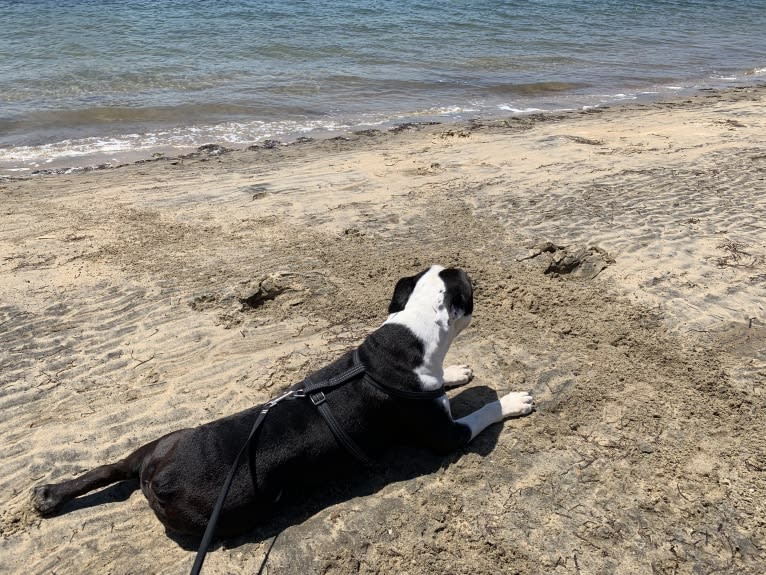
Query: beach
{"type": "Point", "coordinates": [619, 261]}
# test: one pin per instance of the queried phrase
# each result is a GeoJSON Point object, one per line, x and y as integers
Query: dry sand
{"type": "Point", "coordinates": [120, 320]}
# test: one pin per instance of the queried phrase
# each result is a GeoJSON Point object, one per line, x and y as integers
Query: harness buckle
{"type": "Point", "coordinates": [317, 398]}
{"type": "Point", "coordinates": [287, 395]}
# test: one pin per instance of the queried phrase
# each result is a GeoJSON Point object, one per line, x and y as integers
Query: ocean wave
{"type": "Point", "coordinates": [514, 110]}
{"type": "Point", "coordinates": [115, 148]}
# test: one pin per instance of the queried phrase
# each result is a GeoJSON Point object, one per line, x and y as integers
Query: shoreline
{"type": "Point", "coordinates": [619, 261]}
{"type": "Point", "coordinates": [88, 154]}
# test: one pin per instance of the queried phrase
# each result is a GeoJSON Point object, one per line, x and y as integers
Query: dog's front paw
{"type": "Point", "coordinates": [44, 500]}
{"type": "Point", "coordinates": [455, 375]}
{"type": "Point", "coordinates": [516, 403]}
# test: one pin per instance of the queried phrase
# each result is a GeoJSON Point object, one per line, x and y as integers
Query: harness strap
{"type": "Point", "coordinates": [313, 391]}
{"type": "Point", "coordinates": [353, 371]}
{"type": "Point", "coordinates": [341, 436]}
{"type": "Point", "coordinates": [404, 393]}
{"type": "Point", "coordinates": [309, 386]}
{"type": "Point", "coordinates": [357, 369]}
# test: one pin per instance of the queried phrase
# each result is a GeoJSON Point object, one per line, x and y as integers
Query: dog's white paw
{"type": "Point", "coordinates": [516, 403]}
{"type": "Point", "coordinates": [455, 375]}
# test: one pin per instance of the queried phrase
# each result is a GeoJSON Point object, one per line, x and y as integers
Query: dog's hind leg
{"type": "Point", "coordinates": [48, 499]}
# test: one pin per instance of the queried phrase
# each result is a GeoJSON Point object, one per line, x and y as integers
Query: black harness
{"type": "Point", "coordinates": [315, 392]}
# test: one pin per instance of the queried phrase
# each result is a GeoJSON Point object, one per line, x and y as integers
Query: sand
{"type": "Point", "coordinates": [619, 258]}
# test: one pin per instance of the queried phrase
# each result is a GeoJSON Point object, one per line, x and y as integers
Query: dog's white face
{"type": "Point", "coordinates": [436, 305]}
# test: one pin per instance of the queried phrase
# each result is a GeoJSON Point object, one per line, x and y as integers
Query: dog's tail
{"type": "Point", "coordinates": [50, 498]}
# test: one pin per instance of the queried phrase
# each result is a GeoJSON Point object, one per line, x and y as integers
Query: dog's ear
{"type": "Point", "coordinates": [458, 296]}
{"type": "Point", "coordinates": [402, 292]}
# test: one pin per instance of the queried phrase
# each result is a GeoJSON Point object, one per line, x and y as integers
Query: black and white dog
{"type": "Point", "coordinates": [181, 473]}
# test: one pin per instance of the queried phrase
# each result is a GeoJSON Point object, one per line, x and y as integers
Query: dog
{"type": "Point", "coordinates": [395, 395]}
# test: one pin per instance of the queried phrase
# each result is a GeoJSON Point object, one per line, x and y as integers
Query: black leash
{"type": "Point", "coordinates": [315, 392]}
{"type": "Point", "coordinates": [268, 552]}
{"type": "Point", "coordinates": [207, 538]}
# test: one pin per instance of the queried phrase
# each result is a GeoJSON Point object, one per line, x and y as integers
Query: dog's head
{"type": "Point", "coordinates": [448, 292]}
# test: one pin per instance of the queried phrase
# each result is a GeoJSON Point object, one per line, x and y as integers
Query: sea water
{"type": "Point", "coordinates": [83, 81]}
